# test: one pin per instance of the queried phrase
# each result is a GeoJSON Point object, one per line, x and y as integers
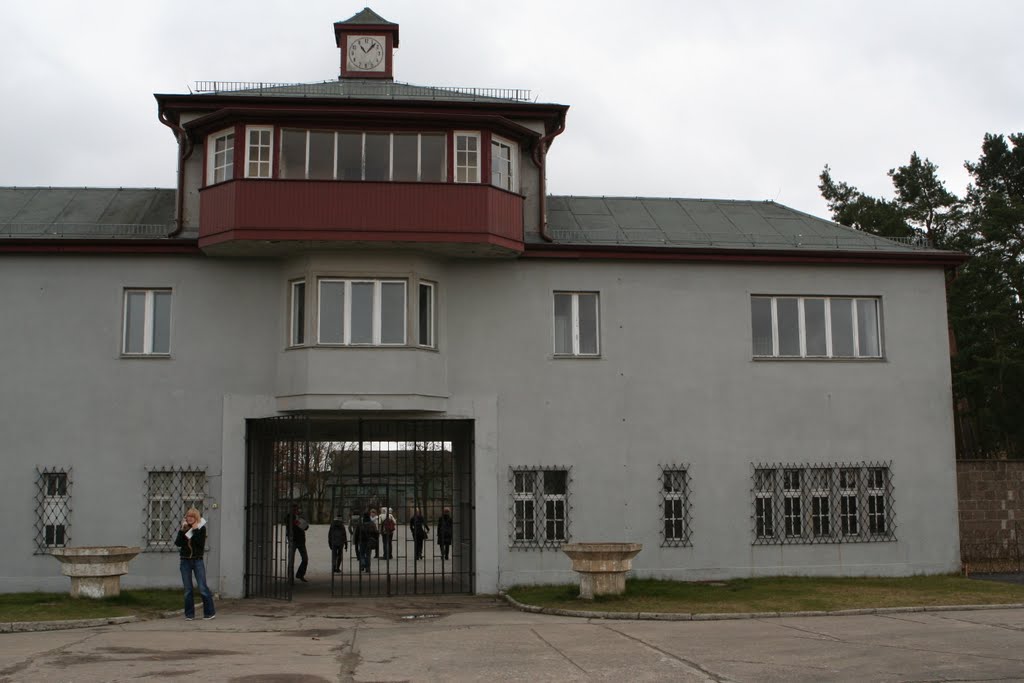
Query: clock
{"type": "Point", "coordinates": [365, 53]}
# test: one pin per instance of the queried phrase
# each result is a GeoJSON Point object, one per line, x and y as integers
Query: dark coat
{"type": "Point", "coordinates": [444, 529]}
{"type": "Point", "coordinates": [191, 548]}
{"type": "Point", "coordinates": [337, 537]}
{"type": "Point", "coordinates": [418, 526]}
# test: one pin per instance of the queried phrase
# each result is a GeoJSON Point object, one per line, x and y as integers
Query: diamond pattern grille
{"type": "Point", "coordinates": [53, 509]}
{"type": "Point", "coordinates": [170, 492]}
{"type": "Point", "coordinates": [539, 511]}
{"type": "Point", "coordinates": [675, 506]}
{"type": "Point", "coordinates": [823, 503]}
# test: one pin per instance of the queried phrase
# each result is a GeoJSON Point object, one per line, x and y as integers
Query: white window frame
{"type": "Point", "coordinates": [166, 503]}
{"type": "Point", "coordinates": [148, 322]}
{"type": "Point", "coordinates": [764, 508]}
{"type": "Point", "coordinates": [792, 508]}
{"type": "Point", "coordinates": [675, 506]}
{"type": "Point", "coordinates": [362, 153]}
{"type": "Point", "coordinates": [524, 505]}
{"type": "Point", "coordinates": [472, 169]}
{"type": "Point", "coordinates": [220, 169]}
{"type": "Point", "coordinates": [264, 167]}
{"type": "Point", "coordinates": [802, 326]}
{"type": "Point", "coordinates": [575, 322]}
{"type": "Point", "coordinates": [849, 495]}
{"type": "Point", "coordinates": [430, 335]}
{"type": "Point", "coordinates": [297, 313]}
{"type": "Point", "coordinates": [511, 181]}
{"type": "Point", "coordinates": [346, 323]}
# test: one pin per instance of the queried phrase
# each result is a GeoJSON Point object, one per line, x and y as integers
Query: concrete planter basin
{"type": "Point", "coordinates": [602, 566]}
{"type": "Point", "coordinates": [95, 571]}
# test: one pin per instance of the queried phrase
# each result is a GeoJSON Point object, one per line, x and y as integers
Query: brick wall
{"type": "Point", "coordinates": [991, 497]}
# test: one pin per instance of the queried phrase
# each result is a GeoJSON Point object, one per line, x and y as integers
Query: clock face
{"type": "Point", "coordinates": [365, 53]}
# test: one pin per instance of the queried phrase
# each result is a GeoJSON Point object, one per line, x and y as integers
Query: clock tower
{"type": "Point", "coordinates": [367, 42]}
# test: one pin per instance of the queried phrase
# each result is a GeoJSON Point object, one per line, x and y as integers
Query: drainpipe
{"type": "Point", "coordinates": [540, 155]}
{"type": "Point", "coordinates": [185, 148]}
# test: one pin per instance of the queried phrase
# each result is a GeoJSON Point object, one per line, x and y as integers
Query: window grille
{"type": "Point", "coordinates": [831, 503]}
{"type": "Point", "coordinates": [675, 506]}
{"type": "Point", "coordinates": [539, 512]}
{"type": "Point", "coordinates": [169, 494]}
{"type": "Point", "coordinates": [53, 508]}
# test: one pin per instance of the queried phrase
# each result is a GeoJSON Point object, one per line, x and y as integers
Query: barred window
{"type": "Point", "coordinates": [53, 508]}
{"type": "Point", "coordinates": [841, 503]}
{"type": "Point", "coordinates": [675, 506]}
{"type": "Point", "coordinates": [169, 493]}
{"type": "Point", "coordinates": [539, 514]}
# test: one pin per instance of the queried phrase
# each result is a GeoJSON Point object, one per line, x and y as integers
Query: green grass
{"type": "Point", "coordinates": [778, 594]}
{"type": "Point", "coordinates": [56, 606]}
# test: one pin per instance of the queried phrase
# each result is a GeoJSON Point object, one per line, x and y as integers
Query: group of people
{"type": "Point", "coordinates": [372, 533]}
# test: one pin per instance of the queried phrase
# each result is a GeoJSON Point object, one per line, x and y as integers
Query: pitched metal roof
{"type": "Point", "coordinates": [366, 16]}
{"type": "Point", "coordinates": [362, 88]}
{"type": "Point", "coordinates": [86, 212]}
{"type": "Point", "coordinates": [709, 223]}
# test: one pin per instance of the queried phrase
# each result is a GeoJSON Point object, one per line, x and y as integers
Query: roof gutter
{"type": "Point", "coordinates": [185, 149]}
{"type": "Point", "coordinates": [540, 156]}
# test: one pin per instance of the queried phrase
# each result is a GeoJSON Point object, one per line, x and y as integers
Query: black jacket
{"type": "Point", "coordinates": [192, 548]}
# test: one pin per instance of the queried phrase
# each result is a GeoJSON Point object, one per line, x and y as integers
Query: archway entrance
{"type": "Point", "coordinates": [335, 470]}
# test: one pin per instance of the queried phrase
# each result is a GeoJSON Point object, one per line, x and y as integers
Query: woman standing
{"type": "Point", "coordinates": [190, 541]}
{"type": "Point", "coordinates": [418, 527]}
{"type": "Point", "coordinates": [444, 532]}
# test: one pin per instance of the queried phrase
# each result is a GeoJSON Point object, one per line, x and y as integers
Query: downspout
{"type": "Point", "coordinates": [185, 148]}
{"type": "Point", "coordinates": [540, 155]}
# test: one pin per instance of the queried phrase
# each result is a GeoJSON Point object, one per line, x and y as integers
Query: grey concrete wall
{"type": "Point", "coordinates": [675, 384]}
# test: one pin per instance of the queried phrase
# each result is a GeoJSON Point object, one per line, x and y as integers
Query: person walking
{"type": "Point", "coordinates": [388, 524]}
{"type": "Point", "coordinates": [363, 539]}
{"type": "Point", "coordinates": [419, 529]}
{"type": "Point", "coordinates": [191, 540]}
{"type": "Point", "coordinates": [375, 543]}
{"type": "Point", "coordinates": [337, 541]}
{"type": "Point", "coordinates": [444, 530]}
{"type": "Point", "coordinates": [295, 528]}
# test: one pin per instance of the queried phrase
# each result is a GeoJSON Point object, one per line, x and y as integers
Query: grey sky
{"type": "Point", "coordinates": [736, 99]}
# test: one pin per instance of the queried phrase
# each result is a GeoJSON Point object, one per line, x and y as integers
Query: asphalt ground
{"type": "Point", "coordinates": [482, 638]}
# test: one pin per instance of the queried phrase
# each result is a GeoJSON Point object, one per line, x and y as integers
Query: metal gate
{"type": "Point", "coordinates": [336, 470]}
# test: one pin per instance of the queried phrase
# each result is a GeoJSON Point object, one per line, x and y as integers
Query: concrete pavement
{"type": "Point", "coordinates": [465, 638]}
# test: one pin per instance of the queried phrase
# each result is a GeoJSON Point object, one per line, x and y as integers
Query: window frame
{"type": "Point", "coordinates": [676, 529]}
{"type": "Point", "coordinates": [549, 515]}
{"type": "Point", "coordinates": [297, 315]}
{"type": "Point", "coordinates": [176, 495]}
{"type": "Point", "coordinates": [53, 508]}
{"type": "Point", "coordinates": [336, 147]}
{"type": "Point", "coordinates": [260, 162]}
{"type": "Point", "coordinates": [512, 183]}
{"type": "Point", "coordinates": [213, 166]}
{"type": "Point", "coordinates": [802, 331]}
{"type": "Point", "coordinates": [149, 322]}
{"type": "Point", "coordinates": [429, 340]}
{"type": "Point", "coordinates": [574, 321]}
{"type": "Point", "coordinates": [471, 169]}
{"type": "Point", "coordinates": [376, 313]}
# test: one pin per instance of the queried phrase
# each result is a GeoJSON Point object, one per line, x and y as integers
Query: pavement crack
{"type": "Point", "coordinates": [818, 635]}
{"type": "Point", "coordinates": [1005, 627]}
{"type": "Point", "coordinates": [686, 662]}
{"type": "Point", "coordinates": [564, 656]}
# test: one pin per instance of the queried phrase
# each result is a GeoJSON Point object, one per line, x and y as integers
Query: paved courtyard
{"type": "Point", "coordinates": [480, 638]}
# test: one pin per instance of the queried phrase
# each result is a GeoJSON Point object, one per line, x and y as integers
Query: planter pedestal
{"type": "Point", "coordinates": [602, 566]}
{"type": "Point", "coordinates": [95, 571]}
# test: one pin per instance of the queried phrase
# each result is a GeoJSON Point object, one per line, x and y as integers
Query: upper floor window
{"type": "Point", "coordinates": [331, 155]}
{"type": "Point", "coordinates": [258, 152]}
{"type": "Point", "coordinates": [576, 324]}
{"type": "Point", "coordinates": [815, 327]}
{"type": "Point", "coordinates": [467, 157]}
{"type": "Point", "coordinates": [503, 164]}
{"type": "Point", "coordinates": [426, 315]}
{"type": "Point", "coordinates": [220, 159]}
{"type": "Point", "coordinates": [147, 322]}
{"type": "Point", "coordinates": [297, 326]}
{"type": "Point", "coordinates": [362, 311]}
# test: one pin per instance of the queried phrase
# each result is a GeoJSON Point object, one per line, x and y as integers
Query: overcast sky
{"type": "Point", "coordinates": [734, 99]}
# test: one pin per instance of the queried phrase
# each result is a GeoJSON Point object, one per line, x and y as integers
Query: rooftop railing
{"type": "Point", "coordinates": [358, 88]}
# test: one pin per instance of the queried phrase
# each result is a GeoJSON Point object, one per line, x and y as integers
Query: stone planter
{"type": "Point", "coordinates": [602, 566]}
{"type": "Point", "coordinates": [95, 571]}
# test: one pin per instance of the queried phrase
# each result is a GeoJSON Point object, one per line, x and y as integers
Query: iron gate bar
{"type": "Point", "coordinates": [355, 464]}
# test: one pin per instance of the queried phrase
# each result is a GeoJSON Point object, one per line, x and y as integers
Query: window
{"type": "Point", "coordinates": [362, 312]}
{"type": "Point", "coordinates": [426, 315]}
{"type": "Point", "coordinates": [576, 324]}
{"type": "Point", "coordinates": [859, 497]}
{"type": "Point", "coordinates": [53, 509]}
{"type": "Point", "coordinates": [331, 155]}
{"type": "Point", "coordinates": [220, 159]}
{"type": "Point", "coordinates": [467, 157]}
{"type": "Point", "coordinates": [675, 506]}
{"type": "Point", "coordinates": [539, 516]}
{"type": "Point", "coordinates": [503, 164]}
{"type": "Point", "coordinates": [169, 493]}
{"type": "Point", "coordinates": [815, 327]}
{"type": "Point", "coordinates": [147, 322]}
{"type": "Point", "coordinates": [297, 326]}
{"type": "Point", "coordinates": [258, 152]}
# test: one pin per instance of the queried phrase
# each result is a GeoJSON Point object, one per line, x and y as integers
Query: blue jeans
{"type": "Point", "coordinates": [188, 568]}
